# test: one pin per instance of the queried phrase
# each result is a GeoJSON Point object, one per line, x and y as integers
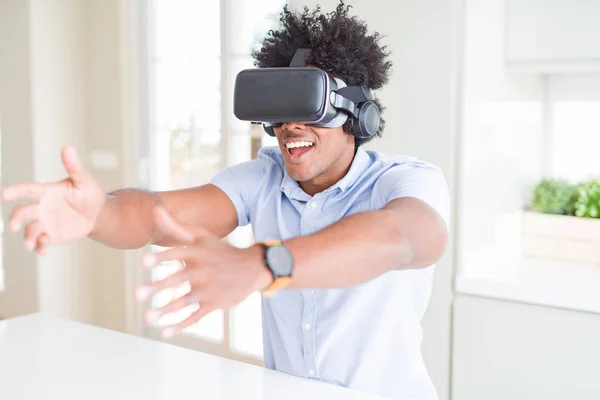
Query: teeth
{"type": "Point", "coordinates": [291, 145]}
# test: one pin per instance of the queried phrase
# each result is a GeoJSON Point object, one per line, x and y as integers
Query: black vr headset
{"type": "Point", "coordinates": [273, 96]}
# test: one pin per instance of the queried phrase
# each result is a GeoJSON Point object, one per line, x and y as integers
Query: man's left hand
{"type": "Point", "coordinates": [220, 275]}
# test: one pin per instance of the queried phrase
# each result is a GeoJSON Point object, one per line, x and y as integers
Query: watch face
{"type": "Point", "coordinates": [279, 260]}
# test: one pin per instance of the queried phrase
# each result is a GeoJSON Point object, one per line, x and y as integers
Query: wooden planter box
{"type": "Point", "coordinates": [561, 237]}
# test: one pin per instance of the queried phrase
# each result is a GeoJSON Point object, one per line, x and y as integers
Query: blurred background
{"type": "Point", "coordinates": [503, 95]}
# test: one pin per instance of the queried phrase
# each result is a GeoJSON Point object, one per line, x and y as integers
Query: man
{"type": "Point", "coordinates": [346, 238]}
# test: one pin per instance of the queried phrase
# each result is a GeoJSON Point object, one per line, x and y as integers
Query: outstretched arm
{"type": "Point", "coordinates": [406, 233]}
{"type": "Point", "coordinates": [127, 220]}
{"type": "Point", "coordinates": [76, 207]}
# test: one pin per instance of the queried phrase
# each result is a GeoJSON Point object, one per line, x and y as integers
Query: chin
{"type": "Point", "coordinates": [298, 174]}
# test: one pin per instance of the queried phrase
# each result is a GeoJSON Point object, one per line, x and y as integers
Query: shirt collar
{"type": "Point", "coordinates": [359, 164]}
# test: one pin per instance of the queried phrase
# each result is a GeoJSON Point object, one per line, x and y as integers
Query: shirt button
{"type": "Point", "coordinates": [311, 372]}
{"type": "Point", "coordinates": [306, 326]}
{"type": "Point", "coordinates": [313, 204]}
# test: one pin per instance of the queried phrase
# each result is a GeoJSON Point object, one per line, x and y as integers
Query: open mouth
{"type": "Point", "coordinates": [297, 149]}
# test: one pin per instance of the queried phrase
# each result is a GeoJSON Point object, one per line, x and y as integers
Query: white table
{"type": "Point", "coordinates": [42, 357]}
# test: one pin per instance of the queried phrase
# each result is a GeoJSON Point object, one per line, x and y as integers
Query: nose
{"type": "Point", "coordinates": [290, 126]}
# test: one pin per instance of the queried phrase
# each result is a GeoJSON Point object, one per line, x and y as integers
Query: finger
{"type": "Point", "coordinates": [196, 316]}
{"type": "Point", "coordinates": [172, 281]}
{"type": "Point", "coordinates": [151, 260]}
{"type": "Point", "coordinates": [73, 165]}
{"type": "Point", "coordinates": [152, 316]}
{"type": "Point", "coordinates": [21, 215]}
{"type": "Point", "coordinates": [42, 244]}
{"type": "Point", "coordinates": [32, 233]}
{"type": "Point", "coordinates": [22, 191]}
{"type": "Point", "coordinates": [169, 227]}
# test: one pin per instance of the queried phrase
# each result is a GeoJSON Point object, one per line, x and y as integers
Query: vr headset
{"type": "Point", "coordinates": [274, 96]}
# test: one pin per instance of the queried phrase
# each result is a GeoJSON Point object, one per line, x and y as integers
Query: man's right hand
{"type": "Point", "coordinates": [62, 211]}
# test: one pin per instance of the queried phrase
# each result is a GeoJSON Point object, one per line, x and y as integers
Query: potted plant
{"type": "Point", "coordinates": [563, 221]}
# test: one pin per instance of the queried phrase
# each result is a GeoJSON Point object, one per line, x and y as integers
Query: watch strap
{"type": "Point", "coordinates": [279, 282]}
{"type": "Point", "coordinates": [271, 242]}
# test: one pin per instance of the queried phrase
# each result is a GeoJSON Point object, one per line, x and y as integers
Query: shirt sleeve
{"type": "Point", "coordinates": [420, 180]}
{"type": "Point", "coordinates": [241, 183]}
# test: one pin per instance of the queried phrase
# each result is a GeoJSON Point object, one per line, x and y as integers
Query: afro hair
{"type": "Point", "coordinates": [339, 43]}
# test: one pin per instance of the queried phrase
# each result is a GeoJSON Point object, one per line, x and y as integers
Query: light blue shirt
{"type": "Point", "coordinates": [366, 337]}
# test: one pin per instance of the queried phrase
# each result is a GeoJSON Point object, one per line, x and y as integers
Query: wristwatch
{"type": "Point", "coordinates": [280, 262]}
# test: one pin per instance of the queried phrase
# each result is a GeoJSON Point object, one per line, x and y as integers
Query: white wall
{"type": "Point", "coordinates": [20, 295]}
{"type": "Point", "coordinates": [420, 117]}
{"type": "Point", "coordinates": [61, 84]}
{"type": "Point", "coordinates": [57, 32]}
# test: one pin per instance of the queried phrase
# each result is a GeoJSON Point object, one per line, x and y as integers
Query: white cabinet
{"type": "Point", "coordinates": [505, 350]}
{"type": "Point", "coordinates": [553, 35]}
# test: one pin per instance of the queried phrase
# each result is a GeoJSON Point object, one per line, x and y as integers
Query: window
{"type": "Point", "coordinates": [574, 102]}
{"type": "Point", "coordinates": [508, 146]}
{"type": "Point", "coordinates": [195, 50]}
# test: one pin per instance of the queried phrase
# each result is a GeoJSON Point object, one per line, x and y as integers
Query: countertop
{"type": "Point", "coordinates": [567, 285]}
{"type": "Point", "coordinates": [44, 357]}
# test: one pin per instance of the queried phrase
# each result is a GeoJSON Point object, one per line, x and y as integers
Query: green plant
{"type": "Point", "coordinates": [554, 196]}
{"type": "Point", "coordinates": [588, 199]}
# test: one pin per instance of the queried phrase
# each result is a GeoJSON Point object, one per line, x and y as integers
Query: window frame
{"type": "Point", "coordinates": [138, 72]}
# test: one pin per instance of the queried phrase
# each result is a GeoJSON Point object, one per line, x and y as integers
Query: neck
{"type": "Point", "coordinates": [329, 178]}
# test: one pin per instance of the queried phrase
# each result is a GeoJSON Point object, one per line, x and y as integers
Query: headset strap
{"type": "Point", "coordinates": [300, 58]}
{"type": "Point", "coordinates": [356, 94]}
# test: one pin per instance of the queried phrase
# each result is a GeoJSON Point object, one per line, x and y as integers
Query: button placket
{"type": "Point", "coordinates": [309, 216]}
{"type": "Point", "coordinates": [307, 226]}
{"type": "Point", "coordinates": [308, 331]}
